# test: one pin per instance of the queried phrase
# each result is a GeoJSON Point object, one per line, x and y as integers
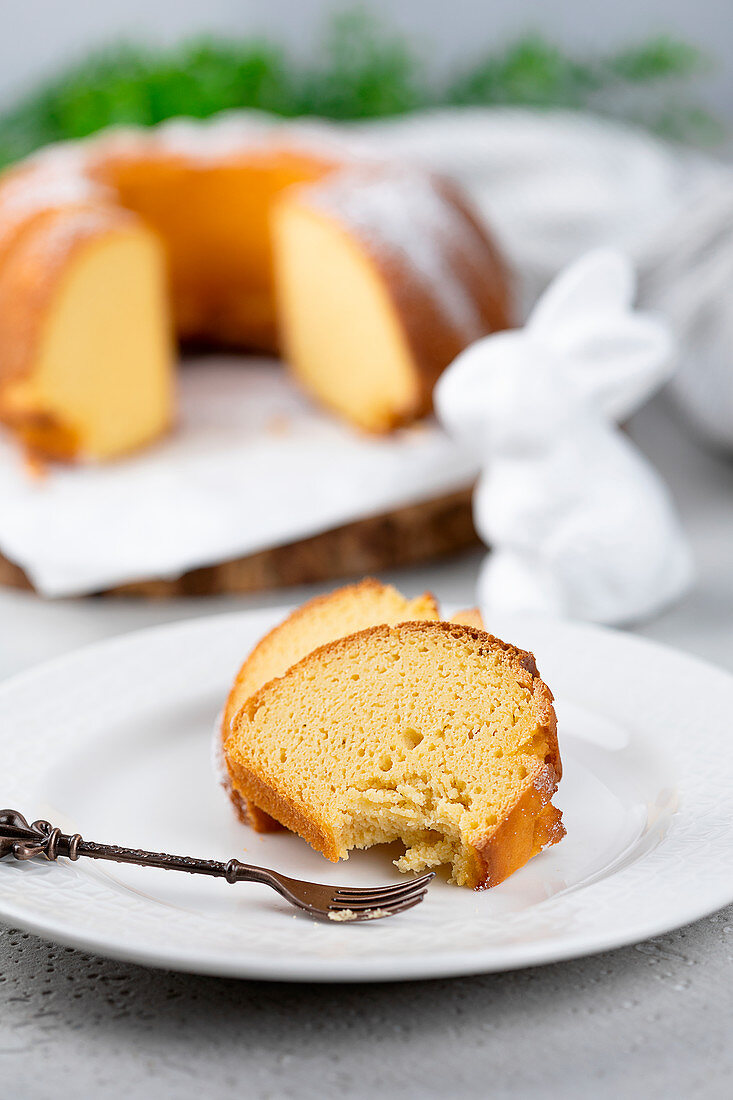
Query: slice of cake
{"type": "Point", "coordinates": [382, 277]}
{"type": "Point", "coordinates": [320, 620]}
{"type": "Point", "coordinates": [86, 363]}
{"type": "Point", "coordinates": [431, 733]}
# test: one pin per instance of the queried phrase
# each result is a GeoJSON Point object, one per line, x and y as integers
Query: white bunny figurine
{"type": "Point", "coordinates": [579, 523]}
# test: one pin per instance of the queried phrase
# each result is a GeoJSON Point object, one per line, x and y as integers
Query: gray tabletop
{"type": "Point", "coordinates": [655, 1019]}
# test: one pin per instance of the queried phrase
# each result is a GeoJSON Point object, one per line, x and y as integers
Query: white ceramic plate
{"type": "Point", "coordinates": [114, 741]}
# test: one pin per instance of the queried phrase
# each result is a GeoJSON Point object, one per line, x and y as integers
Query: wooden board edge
{"type": "Point", "coordinates": [410, 535]}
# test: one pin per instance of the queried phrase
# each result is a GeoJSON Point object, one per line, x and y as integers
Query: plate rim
{"type": "Point", "coordinates": [379, 966]}
{"type": "Point", "coordinates": [454, 964]}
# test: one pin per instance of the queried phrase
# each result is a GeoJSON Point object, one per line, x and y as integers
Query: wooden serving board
{"type": "Point", "coordinates": [407, 536]}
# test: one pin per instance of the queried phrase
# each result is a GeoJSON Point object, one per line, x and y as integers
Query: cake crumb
{"type": "Point", "coordinates": [279, 425]}
{"type": "Point", "coordinates": [36, 466]}
{"type": "Point", "coordinates": [349, 914]}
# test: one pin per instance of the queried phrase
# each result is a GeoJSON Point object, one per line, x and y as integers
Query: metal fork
{"type": "Point", "coordinates": [335, 903]}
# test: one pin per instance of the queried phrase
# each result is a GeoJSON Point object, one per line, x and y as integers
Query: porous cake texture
{"type": "Point", "coordinates": [431, 733]}
{"type": "Point", "coordinates": [344, 611]}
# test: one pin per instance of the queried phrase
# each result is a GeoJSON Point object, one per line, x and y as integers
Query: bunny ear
{"type": "Point", "coordinates": [618, 362]}
{"type": "Point", "coordinates": [599, 281]}
{"type": "Point", "coordinates": [617, 357]}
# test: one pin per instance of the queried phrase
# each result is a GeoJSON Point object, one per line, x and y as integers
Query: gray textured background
{"type": "Point", "coordinates": [641, 1022]}
{"type": "Point", "coordinates": [653, 1020]}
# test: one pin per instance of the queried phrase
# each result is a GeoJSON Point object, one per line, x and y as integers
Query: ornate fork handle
{"type": "Point", "coordinates": [40, 838]}
{"type": "Point", "coordinates": [319, 900]}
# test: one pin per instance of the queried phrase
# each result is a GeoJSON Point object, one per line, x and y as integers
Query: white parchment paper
{"type": "Point", "coordinates": [252, 464]}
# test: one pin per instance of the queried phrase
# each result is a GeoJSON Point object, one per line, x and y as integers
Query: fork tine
{"type": "Point", "coordinates": [391, 891]}
{"type": "Point", "coordinates": [391, 906]}
{"type": "Point", "coordinates": [363, 915]}
{"type": "Point", "coordinates": [378, 899]}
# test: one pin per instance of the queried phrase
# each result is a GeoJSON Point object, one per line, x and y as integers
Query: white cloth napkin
{"type": "Point", "coordinates": [251, 465]}
{"type": "Point", "coordinates": [579, 523]}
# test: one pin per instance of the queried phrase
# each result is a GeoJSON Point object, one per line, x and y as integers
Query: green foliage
{"type": "Point", "coordinates": [365, 72]}
{"type": "Point", "coordinates": [640, 83]}
{"type": "Point", "coordinates": [531, 72]}
{"type": "Point", "coordinates": [658, 59]}
{"type": "Point", "coordinates": [684, 122]}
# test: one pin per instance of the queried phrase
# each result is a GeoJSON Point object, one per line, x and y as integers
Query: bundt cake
{"type": "Point", "coordinates": [320, 620]}
{"type": "Point", "coordinates": [434, 734]}
{"type": "Point", "coordinates": [383, 276]}
{"type": "Point", "coordinates": [210, 204]}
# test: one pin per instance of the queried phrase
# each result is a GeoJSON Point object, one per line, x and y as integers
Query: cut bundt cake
{"type": "Point", "coordinates": [210, 205]}
{"type": "Point", "coordinates": [85, 341]}
{"type": "Point", "coordinates": [383, 276]}
{"type": "Point", "coordinates": [434, 734]}
{"type": "Point", "coordinates": [320, 620]}
{"type": "Point", "coordinates": [381, 283]}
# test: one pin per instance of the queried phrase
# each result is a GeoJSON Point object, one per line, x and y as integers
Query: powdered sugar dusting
{"type": "Point", "coordinates": [37, 192]}
{"type": "Point", "coordinates": [196, 139]}
{"type": "Point", "coordinates": [77, 225]}
{"type": "Point", "coordinates": [402, 212]}
{"type": "Point", "coordinates": [46, 182]}
{"type": "Point", "coordinates": [231, 134]}
{"type": "Point", "coordinates": [545, 782]}
{"type": "Point", "coordinates": [399, 210]}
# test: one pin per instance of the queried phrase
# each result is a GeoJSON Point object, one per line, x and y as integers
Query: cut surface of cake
{"type": "Point", "coordinates": [383, 276]}
{"type": "Point", "coordinates": [322, 619]}
{"type": "Point", "coordinates": [86, 346]}
{"type": "Point", "coordinates": [435, 734]}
